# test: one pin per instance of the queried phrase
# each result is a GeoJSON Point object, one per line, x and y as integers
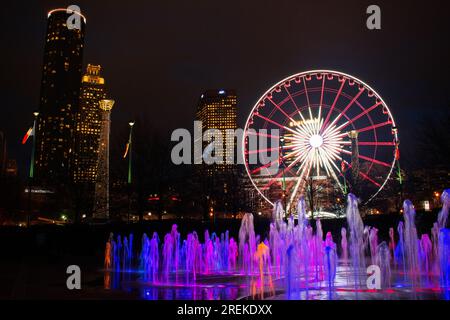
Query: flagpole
{"type": "Point", "coordinates": [399, 171]}
{"type": "Point", "coordinates": [343, 175]}
{"type": "Point", "coordinates": [31, 173]}
{"type": "Point", "coordinates": [130, 153]}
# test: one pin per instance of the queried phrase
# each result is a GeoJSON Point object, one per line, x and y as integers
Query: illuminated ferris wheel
{"type": "Point", "coordinates": [319, 125]}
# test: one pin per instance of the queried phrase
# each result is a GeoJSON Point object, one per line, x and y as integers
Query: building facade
{"type": "Point", "coordinates": [217, 111]}
{"type": "Point", "coordinates": [88, 126]}
{"type": "Point", "coordinates": [59, 99]}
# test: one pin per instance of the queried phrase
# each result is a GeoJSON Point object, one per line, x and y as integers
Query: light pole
{"type": "Point", "coordinates": [130, 175]}
{"type": "Point", "coordinates": [31, 173]}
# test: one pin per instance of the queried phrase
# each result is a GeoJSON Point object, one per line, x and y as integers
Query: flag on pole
{"type": "Point", "coordinates": [29, 133]}
{"type": "Point", "coordinates": [127, 147]}
{"type": "Point", "coordinates": [397, 153]}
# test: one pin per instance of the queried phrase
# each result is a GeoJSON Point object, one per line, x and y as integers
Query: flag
{"type": "Point", "coordinates": [126, 150]}
{"type": "Point", "coordinates": [397, 153]}
{"type": "Point", "coordinates": [342, 166]}
{"type": "Point", "coordinates": [29, 133]}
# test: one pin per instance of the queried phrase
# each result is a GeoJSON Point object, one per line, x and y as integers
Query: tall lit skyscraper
{"type": "Point", "coordinates": [217, 110]}
{"type": "Point", "coordinates": [60, 91]}
{"type": "Point", "coordinates": [88, 126]}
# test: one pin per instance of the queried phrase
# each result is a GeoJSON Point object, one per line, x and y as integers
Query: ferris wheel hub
{"type": "Point", "coordinates": [316, 140]}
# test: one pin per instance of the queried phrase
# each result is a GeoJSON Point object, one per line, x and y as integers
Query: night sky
{"type": "Point", "coordinates": [158, 56]}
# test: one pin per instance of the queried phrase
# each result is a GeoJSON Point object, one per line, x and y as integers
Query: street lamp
{"type": "Point", "coordinates": [31, 172]}
{"type": "Point", "coordinates": [130, 153]}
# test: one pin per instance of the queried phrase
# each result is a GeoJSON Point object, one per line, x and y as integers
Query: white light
{"type": "Point", "coordinates": [259, 213]}
{"type": "Point", "coordinates": [84, 216]}
{"type": "Point", "coordinates": [221, 91]}
{"type": "Point", "coordinates": [316, 141]}
{"type": "Point", "coordinates": [149, 213]}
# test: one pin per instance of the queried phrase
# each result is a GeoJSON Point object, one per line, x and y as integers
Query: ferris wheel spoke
{"type": "Point", "coordinates": [291, 98]}
{"type": "Point", "coordinates": [299, 182]}
{"type": "Point", "coordinates": [308, 124]}
{"type": "Point", "coordinates": [330, 168]}
{"type": "Point", "coordinates": [256, 170]}
{"type": "Point", "coordinates": [307, 95]}
{"type": "Point", "coordinates": [347, 107]}
{"type": "Point", "coordinates": [275, 123]}
{"type": "Point", "coordinates": [375, 126]}
{"type": "Point", "coordinates": [306, 158]}
{"type": "Point", "coordinates": [260, 134]}
{"type": "Point", "coordinates": [333, 105]}
{"type": "Point", "coordinates": [363, 113]}
{"type": "Point", "coordinates": [279, 174]}
{"type": "Point", "coordinates": [281, 110]}
{"type": "Point", "coordinates": [335, 131]}
{"type": "Point", "coordinates": [366, 177]}
{"type": "Point", "coordinates": [261, 150]}
{"type": "Point", "coordinates": [375, 143]}
{"type": "Point", "coordinates": [382, 163]}
{"type": "Point", "coordinates": [321, 93]}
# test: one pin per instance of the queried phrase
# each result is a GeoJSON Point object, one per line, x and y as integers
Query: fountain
{"type": "Point", "coordinates": [410, 241]}
{"type": "Point", "coordinates": [344, 245]}
{"type": "Point", "coordinates": [247, 242]}
{"type": "Point", "coordinates": [356, 227]}
{"type": "Point", "coordinates": [443, 214]}
{"type": "Point", "coordinates": [383, 260]}
{"type": "Point", "coordinates": [293, 262]}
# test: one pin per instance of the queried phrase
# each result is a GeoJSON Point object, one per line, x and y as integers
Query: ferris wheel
{"type": "Point", "coordinates": [321, 125]}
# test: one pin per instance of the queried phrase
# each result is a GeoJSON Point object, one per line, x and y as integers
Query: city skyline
{"type": "Point", "coordinates": [228, 70]}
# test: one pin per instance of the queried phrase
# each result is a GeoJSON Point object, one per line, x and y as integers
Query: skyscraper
{"type": "Point", "coordinates": [88, 126]}
{"type": "Point", "coordinates": [60, 91]}
{"type": "Point", "coordinates": [217, 110]}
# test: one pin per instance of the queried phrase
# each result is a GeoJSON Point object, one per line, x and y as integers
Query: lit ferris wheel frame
{"type": "Point", "coordinates": [316, 112]}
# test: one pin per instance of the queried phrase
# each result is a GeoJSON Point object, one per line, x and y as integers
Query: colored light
{"type": "Point", "coordinates": [316, 141]}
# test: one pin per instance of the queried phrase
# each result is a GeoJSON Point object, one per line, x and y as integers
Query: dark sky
{"type": "Point", "coordinates": [158, 56]}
